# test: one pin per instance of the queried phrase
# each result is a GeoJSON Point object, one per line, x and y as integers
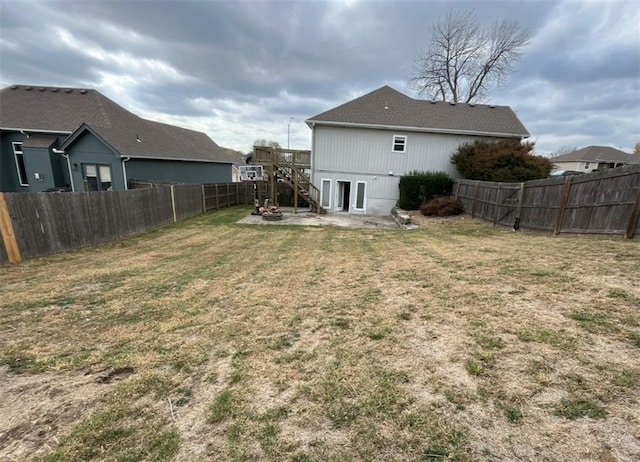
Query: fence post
{"type": "Point", "coordinates": [520, 199]}
{"type": "Point", "coordinates": [173, 203]}
{"type": "Point", "coordinates": [8, 233]}
{"type": "Point", "coordinates": [217, 204]}
{"type": "Point", "coordinates": [563, 205]}
{"type": "Point", "coordinates": [633, 218]}
{"type": "Point", "coordinates": [228, 198]}
{"type": "Point", "coordinates": [204, 201]}
{"type": "Point", "coordinates": [457, 189]}
{"type": "Point", "coordinates": [237, 185]}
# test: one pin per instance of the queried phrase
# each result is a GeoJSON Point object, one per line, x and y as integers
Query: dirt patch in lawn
{"type": "Point", "coordinates": [213, 340]}
{"type": "Point", "coordinates": [38, 410]}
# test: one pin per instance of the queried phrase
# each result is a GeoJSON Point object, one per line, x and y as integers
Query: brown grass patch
{"type": "Point", "coordinates": [457, 341]}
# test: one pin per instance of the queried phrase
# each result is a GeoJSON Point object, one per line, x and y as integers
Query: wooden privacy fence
{"type": "Point", "coordinates": [39, 224]}
{"type": "Point", "coordinates": [606, 202]}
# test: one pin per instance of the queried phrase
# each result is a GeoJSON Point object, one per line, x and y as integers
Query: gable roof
{"type": "Point", "coordinates": [72, 110]}
{"type": "Point", "coordinates": [594, 154]}
{"type": "Point", "coordinates": [388, 108]}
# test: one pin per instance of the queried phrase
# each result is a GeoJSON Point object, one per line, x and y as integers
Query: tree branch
{"type": "Point", "coordinates": [463, 60]}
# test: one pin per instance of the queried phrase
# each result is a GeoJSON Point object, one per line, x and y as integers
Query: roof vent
{"type": "Point", "coordinates": [55, 90]}
{"type": "Point", "coordinates": [452, 103]}
{"type": "Point", "coordinates": [68, 90]}
{"type": "Point", "coordinates": [83, 91]}
{"type": "Point", "coordinates": [13, 87]}
{"type": "Point", "coordinates": [28, 88]}
{"type": "Point", "coordinates": [472, 105]}
{"type": "Point", "coordinates": [492, 106]}
{"type": "Point", "coordinates": [432, 102]}
{"type": "Point", "coordinates": [41, 88]}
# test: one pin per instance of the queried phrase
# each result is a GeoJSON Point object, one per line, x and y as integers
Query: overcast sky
{"type": "Point", "coordinates": [239, 70]}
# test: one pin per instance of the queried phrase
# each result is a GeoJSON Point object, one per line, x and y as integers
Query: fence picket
{"type": "Point", "coordinates": [606, 202]}
{"type": "Point", "coordinates": [49, 223]}
{"type": "Point", "coordinates": [8, 233]}
{"type": "Point", "coordinates": [633, 218]}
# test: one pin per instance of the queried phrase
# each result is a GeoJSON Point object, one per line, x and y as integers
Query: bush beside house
{"type": "Point", "coordinates": [504, 160]}
{"type": "Point", "coordinates": [420, 187]}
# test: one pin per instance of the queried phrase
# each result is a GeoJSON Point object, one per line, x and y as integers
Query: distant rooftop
{"type": "Point", "coordinates": [65, 110]}
{"type": "Point", "coordinates": [597, 153]}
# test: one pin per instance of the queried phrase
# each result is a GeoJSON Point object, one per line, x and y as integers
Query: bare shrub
{"type": "Point", "coordinates": [442, 207]}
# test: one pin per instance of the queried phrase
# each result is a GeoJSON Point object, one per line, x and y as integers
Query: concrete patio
{"type": "Point", "coordinates": [306, 218]}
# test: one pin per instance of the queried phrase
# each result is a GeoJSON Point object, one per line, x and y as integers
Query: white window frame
{"type": "Point", "coordinates": [322, 183]}
{"type": "Point", "coordinates": [364, 197]}
{"type": "Point", "coordinates": [98, 176]}
{"type": "Point", "coordinates": [396, 139]}
{"type": "Point", "coordinates": [587, 164]}
{"type": "Point", "coordinates": [17, 150]}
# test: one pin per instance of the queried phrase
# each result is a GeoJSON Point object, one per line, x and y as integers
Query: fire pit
{"type": "Point", "coordinates": [272, 214]}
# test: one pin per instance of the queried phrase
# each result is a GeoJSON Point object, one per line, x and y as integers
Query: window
{"type": "Point", "coordinates": [360, 194]}
{"type": "Point", "coordinates": [97, 177]}
{"type": "Point", "coordinates": [326, 194]}
{"type": "Point", "coordinates": [399, 143]}
{"type": "Point", "coordinates": [586, 165]}
{"type": "Point", "coordinates": [20, 167]}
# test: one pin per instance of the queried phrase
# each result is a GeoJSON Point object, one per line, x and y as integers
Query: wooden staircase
{"type": "Point", "coordinates": [288, 166]}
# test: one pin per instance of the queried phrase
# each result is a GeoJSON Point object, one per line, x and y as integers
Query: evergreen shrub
{"type": "Point", "coordinates": [420, 187]}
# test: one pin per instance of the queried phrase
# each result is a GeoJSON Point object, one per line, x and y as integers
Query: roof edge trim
{"type": "Point", "coordinates": [34, 130]}
{"type": "Point", "coordinates": [182, 159]}
{"type": "Point", "coordinates": [312, 122]}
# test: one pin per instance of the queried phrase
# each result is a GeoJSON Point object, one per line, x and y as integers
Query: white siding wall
{"type": "Point", "coordinates": [354, 154]}
{"type": "Point", "coordinates": [579, 166]}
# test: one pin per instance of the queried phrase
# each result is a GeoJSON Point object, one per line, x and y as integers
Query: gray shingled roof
{"type": "Point", "coordinates": [40, 141]}
{"type": "Point", "coordinates": [65, 110]}
{"type": "Point", "coordinates": [386, 107]}
{"type": "Point", "coordinates": [594, 154]}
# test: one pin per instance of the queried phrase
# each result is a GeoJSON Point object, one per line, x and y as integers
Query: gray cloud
{"type": "Point", "coordinates": [240, 70]}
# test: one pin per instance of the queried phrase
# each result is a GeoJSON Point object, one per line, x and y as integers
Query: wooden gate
{"type": "Point", "coordinates": [508, 204]}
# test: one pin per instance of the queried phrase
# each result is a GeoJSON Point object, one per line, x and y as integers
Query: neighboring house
{"type": "Point", "coordinates": [361, 148]}
{"type": "Point", "coordinates": [78, 139]}
{"type": "Point", "coordinates": [593, 158]}
{"type": "Point", "coordinates": [238, 159]}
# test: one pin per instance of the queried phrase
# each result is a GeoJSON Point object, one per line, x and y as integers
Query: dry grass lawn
{"type": "Point", "coordinates": [209, 340]}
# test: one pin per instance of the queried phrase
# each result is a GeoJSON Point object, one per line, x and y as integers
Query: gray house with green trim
{"type": "Point", "coordinates": [79, 140]}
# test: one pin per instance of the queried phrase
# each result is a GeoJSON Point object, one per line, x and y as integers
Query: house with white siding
{"type": "Point", "coordinates": [360, 149]}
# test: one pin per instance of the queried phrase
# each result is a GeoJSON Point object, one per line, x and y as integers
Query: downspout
{"type": "Point", "coordinates": [124, 171]}
{"type": "Point", "coordinates": [66, 156]}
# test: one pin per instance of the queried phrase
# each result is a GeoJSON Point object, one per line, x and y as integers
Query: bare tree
{"type": "Point", "coordinates": [464, 60]}
{"type": "Point", "coordinates": [264, 142]}
{"type": "Point", "coordinates": [562, 150]}
{"type": "Point", "coordinates": [636, 148]}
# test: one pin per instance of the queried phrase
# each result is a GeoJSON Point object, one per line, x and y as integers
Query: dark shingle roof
{"type": "Point", "coordinates": [386, 107]}
{"type": "Point", "coordinates": [593, 154]}
{"type": "Point", "coordinates": [65, 110]}
{"type": "Point", "coordinates": [53, 109]}
{"type": "Point", "coordinates": [40, 141]}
